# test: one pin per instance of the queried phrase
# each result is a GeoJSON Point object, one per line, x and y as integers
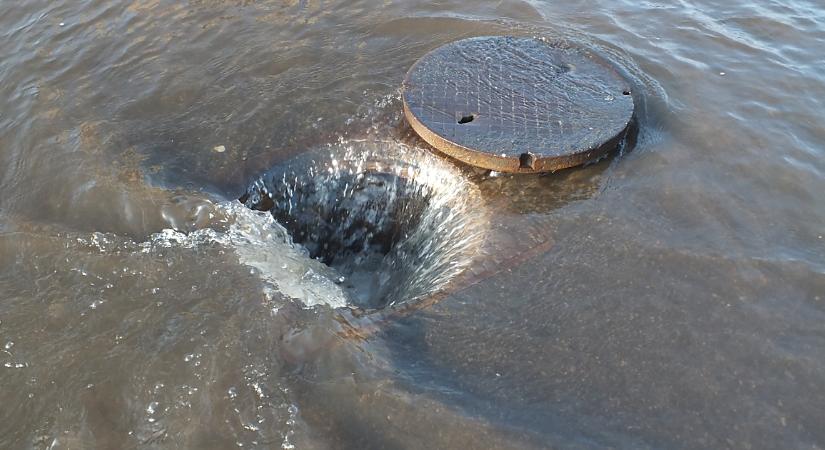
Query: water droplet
{"type": "Point", "coordinates": [258, 390]}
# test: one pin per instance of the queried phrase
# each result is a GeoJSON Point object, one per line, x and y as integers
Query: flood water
{"type": "Point", "coordinates": [671, 296]}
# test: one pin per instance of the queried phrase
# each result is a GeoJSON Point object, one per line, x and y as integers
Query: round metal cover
{"type": "Point", "coordinates": [517, 104]}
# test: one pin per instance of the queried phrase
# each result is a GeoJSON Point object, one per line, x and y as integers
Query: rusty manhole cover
{"type": "Point", "coordinates": [517, 104]}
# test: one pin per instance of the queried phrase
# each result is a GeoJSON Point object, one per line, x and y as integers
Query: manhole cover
{"type": "Point", "coordinates": [517, 104]}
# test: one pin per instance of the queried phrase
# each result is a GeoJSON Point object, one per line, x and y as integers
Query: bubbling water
{"type": "Point", "coordinates": [394, 222]}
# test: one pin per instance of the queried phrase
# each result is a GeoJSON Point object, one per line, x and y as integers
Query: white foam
{"type": "Point", "coordinates": [264, 245]}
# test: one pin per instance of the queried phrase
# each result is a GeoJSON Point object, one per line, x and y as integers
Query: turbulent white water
{"type": "Point", "coordinates": [433, 212]}
{"type": "Point", "coordinates": [396, 222]}
{"type": "Point", "coordinates": [264, 245]}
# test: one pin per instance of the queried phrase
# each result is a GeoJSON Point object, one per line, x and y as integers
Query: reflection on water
{"type": "Point", "coordinates": [670, 296]}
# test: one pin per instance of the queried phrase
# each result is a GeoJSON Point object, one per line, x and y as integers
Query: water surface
{"type": "Point", "coordinates": [671, 296]}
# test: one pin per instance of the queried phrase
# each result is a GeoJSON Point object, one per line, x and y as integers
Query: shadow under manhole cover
{"type": "Point", "coordinates": [395, 223]}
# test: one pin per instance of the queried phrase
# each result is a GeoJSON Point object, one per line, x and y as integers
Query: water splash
{"type": "Point", "coordinates": [265, 246]}
{"type": "Point", "coordinates": [396, 222]}
{"type": "Point", "coordinates": [356, 223]}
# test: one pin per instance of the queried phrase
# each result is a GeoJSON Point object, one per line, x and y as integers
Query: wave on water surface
{"type": "Point", "coordinates": [362, 224]}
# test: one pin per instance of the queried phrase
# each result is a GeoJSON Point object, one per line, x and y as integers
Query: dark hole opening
{"type": "Point", "coordinates": [526, 161]}
{"type": "Point", "coordinates": [626, 93]}
{"type": "Point", "coordinates": [338, 228]}
{"type": "Point", "coordinates": [349, 222]}
{"type": "Point", "coordinates": [467, 119]}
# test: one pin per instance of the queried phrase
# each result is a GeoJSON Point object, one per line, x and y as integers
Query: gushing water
{"type": "Point", "coordinates": [265, 246]}
{"type": "Point", "coordinates": [392, 222]}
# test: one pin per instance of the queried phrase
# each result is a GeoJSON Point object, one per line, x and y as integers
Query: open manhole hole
{"type": "Point", "coordinates": [394, 222]}
{"type": "Point", "coordinates": [518, 104]}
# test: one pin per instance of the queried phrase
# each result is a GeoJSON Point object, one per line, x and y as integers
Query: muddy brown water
{"type": "Point", "coordinates": [676, 299]}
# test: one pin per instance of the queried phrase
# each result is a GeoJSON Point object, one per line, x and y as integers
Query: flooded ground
{"type": "Point", "coordinates": [670, 296]}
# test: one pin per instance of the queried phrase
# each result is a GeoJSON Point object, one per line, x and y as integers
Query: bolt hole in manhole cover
{"type": "Point", "coordinates": [517, 104]}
